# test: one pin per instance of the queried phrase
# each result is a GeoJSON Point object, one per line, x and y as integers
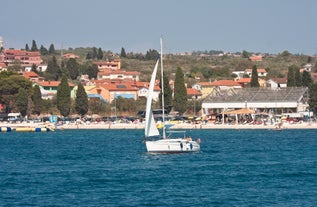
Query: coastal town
{"type": "Point", "coordinates": [215, 104]}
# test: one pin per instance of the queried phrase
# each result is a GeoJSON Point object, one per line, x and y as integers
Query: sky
{"type": "Point", "coordinates": [268, 26]}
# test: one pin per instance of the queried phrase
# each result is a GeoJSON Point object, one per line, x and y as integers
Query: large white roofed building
{"type": "Point", "coordinates": [284, 100]}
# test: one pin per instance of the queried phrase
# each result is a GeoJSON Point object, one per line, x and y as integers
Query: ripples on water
{"type": "Point", "coordinates": [112, 168]}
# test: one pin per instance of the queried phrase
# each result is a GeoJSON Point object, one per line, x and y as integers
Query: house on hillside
{"type": "Point", "coordinates": [193, 94]}
{"type": "Point", "coordinates": [40, 68]}
{"type": "Point", "coordinates": [70, 55]}
{"type": "Point", "coordinates": [239, 74]}
{"type": "Point", "coordinates": [256, 58]}
{"type": "Point", "coordinates": [25, 58]}
{"type": "Point", "coordinates": [108, 65]}
{"type": "Point", "coordinates": [115, 90]}
{"type": "Point", "coordinates": [244, 82]}
{"type": "Point", "coordinates": [207, 87]}
{"type": "Point", "coordinates": [144, 90]}
{"type": "Point", "coordinates": [118, 74]}
{"type": "Point", "coordinates": [261, 72]}
{"type": "Point", "coordinates": [97, 92]}
{"type": "Point", "coordinates": [3, 67]}
{"type": "Point", "coordinates": [275, 83]}
{"type": "Point", "coordinates": [32, 76]}
{"type": "Point", "coordinates": [49, 88]}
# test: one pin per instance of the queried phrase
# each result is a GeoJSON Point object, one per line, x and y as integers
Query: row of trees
{"type": "Point", "coordinates": [18, 95]}
{"type": "Point", "coordinates": [71, 68]}
{"type": "Point", "coordinates": [91, 55]}
{"type": "Point", "coordinates": [294, 77]}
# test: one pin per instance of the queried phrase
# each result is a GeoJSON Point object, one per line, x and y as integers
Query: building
{"type": "Point", "coordinates": [283, 100]}
{"type": "Point", "coordinates": [193, 94]}
{"type": "Point", "coordinates": [108, 65]}
{"type": "Point", "coordinates": [70, 55]}
{"type": "Point", "coordinates": [41, 67]}
{"type": "Point", "coordinates": [256, 58]}
{"type": "Point", "coordinates": [118, 75]}
{"type": "Point", "coordinates": [275, 83]}
{"type": "Point", "coordinates": [143, 89]}
{"type": "Point", "coordinates": [207, 87]}
{"type": "Point", "coordinates": [261, 72]}
{"type": "Point", "coordinates": [32, 76]}
{"type": "Point", "coordinates": [25, 58]}
{"type": "Point", "coordinates": [3, 67]}
{"type": "Point", "coordinates": [49, 88]}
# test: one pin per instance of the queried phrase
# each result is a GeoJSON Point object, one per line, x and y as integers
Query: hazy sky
{"type": "Point", "coordinates": [186, 25]}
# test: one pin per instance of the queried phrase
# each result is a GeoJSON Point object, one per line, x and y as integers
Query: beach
{"type": "Point", "coordinates": [190, 126]}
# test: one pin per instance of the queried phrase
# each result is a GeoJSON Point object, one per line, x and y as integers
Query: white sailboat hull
{"type": "Point", "coordinates": [172, 146]}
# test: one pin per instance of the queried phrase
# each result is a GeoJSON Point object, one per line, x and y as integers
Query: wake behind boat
{"type": "Point", "coordinates": [163, 144]}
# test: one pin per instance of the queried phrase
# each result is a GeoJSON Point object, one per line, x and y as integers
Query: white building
{"type": "Point", "coordinates": [285, 100]}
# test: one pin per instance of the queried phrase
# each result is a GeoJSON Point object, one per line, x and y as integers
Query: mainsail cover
{"type": "Point", "coordinates": [150, 126]}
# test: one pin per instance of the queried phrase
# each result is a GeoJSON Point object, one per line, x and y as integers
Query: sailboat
{"type": "Point", "coordinates": [154, 141]}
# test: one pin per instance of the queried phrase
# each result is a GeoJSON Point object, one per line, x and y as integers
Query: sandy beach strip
{"type": "Point", "coordinates": [176, 126]}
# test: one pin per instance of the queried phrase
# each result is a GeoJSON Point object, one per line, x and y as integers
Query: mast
{"type": "Point", "coordinates": [162, 89]}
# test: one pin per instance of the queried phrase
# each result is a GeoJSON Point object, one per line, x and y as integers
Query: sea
{"type": "Point", "coordinates": [112, 168]}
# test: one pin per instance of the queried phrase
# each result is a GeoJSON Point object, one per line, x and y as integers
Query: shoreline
{"type": "Point", "coordinates": [186, 126]}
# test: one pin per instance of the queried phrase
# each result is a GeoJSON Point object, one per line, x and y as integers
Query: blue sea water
{"type": "Point", "coordinates": [112, 168]}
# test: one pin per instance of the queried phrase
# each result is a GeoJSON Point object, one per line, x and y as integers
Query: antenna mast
{"type": "Point", "coordinates": [162, 89]}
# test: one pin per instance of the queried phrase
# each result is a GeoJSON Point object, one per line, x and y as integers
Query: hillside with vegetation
{"type": "Point", "coordinates": [198, 66]}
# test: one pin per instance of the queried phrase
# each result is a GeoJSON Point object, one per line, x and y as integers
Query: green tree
{"type": "Point", "coordinates": [167, 94]}
{"type": "Point", "coordinates": [34, 68]}
{"type": "Point", "coordinates": [100, 54]}
{"type": "Point", "coordinates": [123, 54]}
{"type": "Point", "coordinates": [43, 50]}
{"type": "Point", "coordinates": [151, 55]}
{"type": "Point", "coordinates": [89, 56]}
{"type": "Point", "coordinates": [254, 78]}
{"type": "Point", "coordinates": [53, 71]}
{"type": "Point", "coordinates": [91, 70]}
{"type": "Point", "coordinates": [15, 66]}
{"type": "Point", "coordinates": [94, 53]}
{"type": "Point", "coordinates": [306, 79]}
{"type": "Point", "coordinates": [34, 46]}
{"type": "Point", "coordinates": [245, 54]}
{"type": "Point", "coordinates": [22, 101]}
{"type": "Point", "coordinates": [63, 97]}
{"type": "Point", "coordinates": [27, 47]}
{"type": "Point", "coordinates": [298, 77]}
{"type": "Point", "coordinates": [292, 78]}
{"type": "Point", "coordinates": [10, 83]}
{"type": "Point", "coordinates": [313, 98]}
{"type": "Point", "coordinates": [51, 49]}
{"type": "Point", "coordinates": [180, 92]}
{"type": "Point", "coordinates": [37, 100]}
{"type": "Point", "coordinates": [72, 68]}
{"type": "Point", "coordinates": [81, 101]}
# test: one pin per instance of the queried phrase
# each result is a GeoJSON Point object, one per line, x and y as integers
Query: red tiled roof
{"type": "Point", "coordinates": [111, 72]}
{"type": "Point", "coordinates": [260, 70]}
{"type": "Point", "coordinates": [225, 83]}
{"type": "Point", "coordinates": [192, 91]}
{"type": "Point", "coordinates": [157, 88]}
{"type": "Point", "coordinates": [119, 87]}
{"type": "Point", "coordinates": [3, 65]}
{"type": "Point", "coordinates": [53, 83]}
{"type": "Point", "coordinates": [141, 84]}
{"type": "Point", "coordinates": [256, 58]}
{"type": "Point", "coordinates": [244, 80]}
{"type": "Point", "coordinates": [21, 53]}
{"type": "Point", "coordinates": [30, 74]}
{"type": "Point", "coordinates": [280, 80]}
